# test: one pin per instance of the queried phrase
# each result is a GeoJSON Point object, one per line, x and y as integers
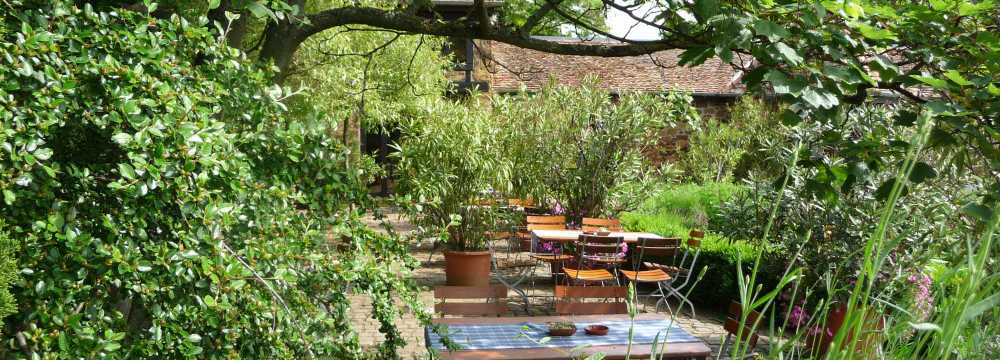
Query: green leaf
{"type": "Point", "coordinates": [978, 308]}
{"type": "Point", "coordinates": [771, 30]}
{"type": "Point", "coordinates": [783, 84]}
{"type": "Point", "coordinates": [884, 190]}
{"type": "Point", "coordinates": [705, 9]}
{"type": "Point", "coordinates": [126, 170]}
{"type": "Point", "coordinates": [875, 33]}
{"type": "Point", "coordinates": [921, 172]}
{"type": "Point", "coordinates": [122, 138]}
{"type": "Point", "coordinates": [696, 56]}
{"type": "Point", "coordinates": [790, 118]}
{"type": "Point", "coordinates": [212, 4]}
{"type": "Point", "coordinates": [819, 98]}
{"type": "Point", "coordinates": [790, 55]}
{"type": "Point", "coordinates": [969, 8]}
{"type": "Point", "coordinates": [957, 78]}
{"type": "Point", "coordinates": [260, 11]}
{"type": "Point", "coordinates": [43, 154]}
{"type": "Point", "coordinates": [9, 197]}
{"type": "Point", "coordinates": [131, 107]}
{"type": "Point", "coordinates": [933, 82]}
{"type": "Point", "coordinates": [978, 211]}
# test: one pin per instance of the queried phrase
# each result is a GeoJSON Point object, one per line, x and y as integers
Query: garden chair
{"type": "Point", "coordinates": [542, 222]}
{"type": "Point", "coordinates": [683, 272]}
{"type": "Point", "coordinates": [595, 255]}
{"type": "Point", "coordinates": [572, 300]}
{"type": "Point", "coordinates": [660, 249]}
{"type": "Point", "coordinates": [595, 224]}
{"type": "Point", "coordinates": [495, 303]}
{"type": "Point", "coordinates": [508, 266]}
{"type": "Point", "coordinates": [732, 327]}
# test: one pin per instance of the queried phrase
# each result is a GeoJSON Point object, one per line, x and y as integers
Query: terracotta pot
{"type": "Point", "coordinates": [467, 268]}
{"type": "Point", "coordinates": [870, 333]}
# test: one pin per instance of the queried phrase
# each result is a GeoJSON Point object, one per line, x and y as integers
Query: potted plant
{"type": "Point", "coordinates": [447, 166]}
{"type": "Point", "coordinates": [467, 257]}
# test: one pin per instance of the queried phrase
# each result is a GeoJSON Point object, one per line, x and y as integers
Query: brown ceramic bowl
{"type": "Point", "coordinates": [562, 330]}
{"type": "Point", "coordinates": [603, 233]}
{"type": "Point", "coordinates": [597, 330]}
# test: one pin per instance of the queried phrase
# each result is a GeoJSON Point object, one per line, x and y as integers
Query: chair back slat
{"type": "Point", "coordinates": [472, 309]}
{"type": "Point", "coordinates": [581, 308]}
{"type": "Point", "coordinates": [732, 324]}
{"type": "Point", "coordinates": [696, 234]}
{"type": "Point", "coordinates": [470, 292]}
{"type": "Point", "coordinates": [571, 300]}
{"type": "Point", "coordinates": [546, 219]}
{"type": "Point", "coordinates": [655, 247]}
{"type": "Point", "coordinates": [591, 291]}
{"type": "Point", "coordinates": [594, 224]}
{"type": "Point", "coordinates": [694, 243]}
{"type": "Point", "coordinates": [495, 303]}
{"type": "Point", "coordinates": [546, 227]}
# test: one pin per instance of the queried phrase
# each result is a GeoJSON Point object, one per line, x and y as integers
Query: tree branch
{"type": "Point", "coordinates": [470, 28]}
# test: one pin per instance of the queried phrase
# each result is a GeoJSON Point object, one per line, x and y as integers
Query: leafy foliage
{"type": "Point", "coordinates": [163, 205]}
{"type": "Point", "coordinates": [584, 149]}
{"type": "Point", "coordinates": [8, 273]}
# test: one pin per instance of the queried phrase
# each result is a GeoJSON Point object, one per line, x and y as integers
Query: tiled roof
{"type": "Point", "coordinates": [511, 67]}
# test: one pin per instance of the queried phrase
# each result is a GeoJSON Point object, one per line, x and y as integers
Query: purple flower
{"type": "Point", "coordinates": [797, 316]}
{"type": "Point", "coordinates": [558, 209]}
{"type": "Point", "coordinates": [923, 299]}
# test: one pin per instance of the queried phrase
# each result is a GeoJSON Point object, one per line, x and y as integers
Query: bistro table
{"type": "Point", "coordinates": [518, 338]}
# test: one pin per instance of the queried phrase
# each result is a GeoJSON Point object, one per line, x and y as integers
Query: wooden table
{"type": "Point", "coordinates": [681, 350]}
{"type": "Point", "coordinates": [573, 235]}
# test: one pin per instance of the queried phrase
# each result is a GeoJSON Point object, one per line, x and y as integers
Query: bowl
{"type": "Point", "coordinates": [603, 233]}
{"type": "Point", "coordinates": [597, 330]}
{"type": "Point", "coordinates": [562, 330]}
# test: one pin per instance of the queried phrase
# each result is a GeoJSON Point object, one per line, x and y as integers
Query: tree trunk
{"type": "Point", "coordinates": [281, 40]}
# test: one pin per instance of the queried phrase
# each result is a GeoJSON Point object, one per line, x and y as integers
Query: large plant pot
{"type": "Point", "coordinates": [870, 333]}
{"type": "Point", "coordinates": [467, 268]}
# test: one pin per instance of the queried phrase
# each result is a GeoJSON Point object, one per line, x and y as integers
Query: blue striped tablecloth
{"type": "Point", "coordinates": [527, 335]}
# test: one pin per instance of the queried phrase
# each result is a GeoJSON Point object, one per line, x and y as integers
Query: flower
{"type": "Point", "coordinates": [923, 299]}
{"type": "Point", "coordinates": [797, 316]}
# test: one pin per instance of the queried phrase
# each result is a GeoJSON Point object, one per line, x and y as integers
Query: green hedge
{"type": "Point", "coordinates": [677, 210]}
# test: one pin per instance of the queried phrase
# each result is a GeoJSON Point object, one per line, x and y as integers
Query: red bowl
{"type": "Point", "coordinates": [598, 330]}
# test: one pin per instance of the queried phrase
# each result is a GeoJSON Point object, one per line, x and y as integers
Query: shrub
{"type": "Point", "coordinates": [8, 273]}
{"type": "Point", "coordinates": [583, 149]}
{"type": "Point", "coordinates": [721, 150]}
{"type": "Point", "coordinates": [163, 205]}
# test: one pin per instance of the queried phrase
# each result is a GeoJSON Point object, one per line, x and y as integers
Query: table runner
{"type": "Point", "coordinates": [526, 335]}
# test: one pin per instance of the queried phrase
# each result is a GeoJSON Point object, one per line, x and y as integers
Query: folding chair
{"type": "Point", "coordinates": [602, 252]}
{"type": "Point", "coordinates": [732, 327]}
{"type": "Point", "coordinates": [658, 248]}
{"type": "Point", "coordinates": [683, 271]}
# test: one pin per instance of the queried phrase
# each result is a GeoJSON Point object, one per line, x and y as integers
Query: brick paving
{"type": "Point", "coordinates": [706, 326]}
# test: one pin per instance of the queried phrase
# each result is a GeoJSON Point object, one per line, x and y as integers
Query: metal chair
{"type": "Point", "coordinates": [508, 266]}
{"type": "Point", "coordinates": [659, 248]}
{"type": "Point", "coordinates": [602, 251]}
{"type": "Point", "coordinates": [684, 272]}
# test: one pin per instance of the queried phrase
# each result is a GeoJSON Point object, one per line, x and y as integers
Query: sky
{"type": "Point", "coordinates": [620, 22]}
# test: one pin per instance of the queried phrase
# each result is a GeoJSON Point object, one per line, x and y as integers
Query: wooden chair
{"type": "Point", "coordinates": [595, 224]}
{"type": "Point", "coordinates": [570, 300]}
{"type": "Point", "coordinates": [732, 326]}
{"type": "Point", "coordinates": [602, 251]}
{"type": "Point", "coordinates": [495, 304]}
{"type": "Point", "coordinates": [660, 248]}
{"type": "Point", "coordinates": [541, 222]}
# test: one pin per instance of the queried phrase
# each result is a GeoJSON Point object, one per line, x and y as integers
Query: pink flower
{"type": "Point", "coordinates": [797, 316]}
{"type": "Point", "coordinates": [923, 299]}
